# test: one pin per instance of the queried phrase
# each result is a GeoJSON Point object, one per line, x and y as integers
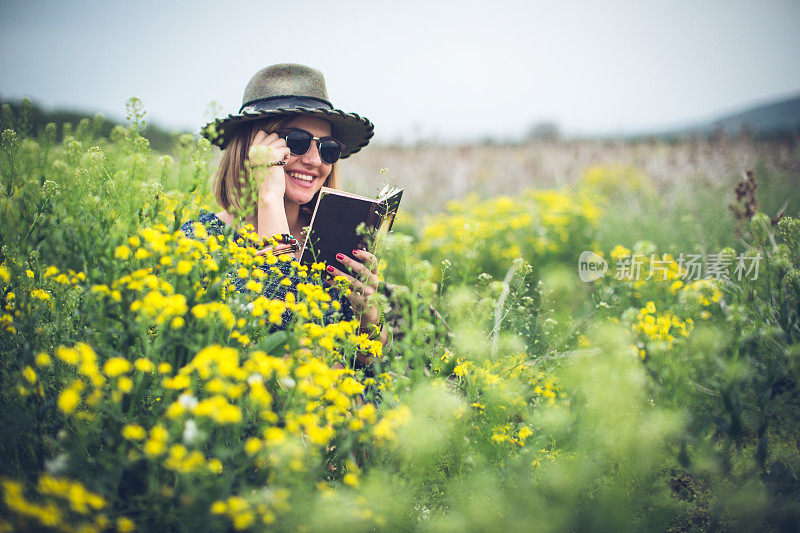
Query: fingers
{"type": "Point", "coordinates": [368, 259]}
{"type": "Point", "coordinates": [360, 296]}
{"type": "Point", "coordinates": [269, 140]}
{"type": "Point", "coordinates": [274, 249]}
{"type": "Point", "coordinates": [357, 287]}
{"type": "Point", "coordinates": [267, 148]}
{"type": "Point", "coordinates": [362, 271]}
{"type": "Point", "coordinates": [335, 272]}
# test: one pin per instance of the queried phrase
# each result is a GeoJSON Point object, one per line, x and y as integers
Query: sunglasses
{"type": "Point", "coordinates": [299, 141]}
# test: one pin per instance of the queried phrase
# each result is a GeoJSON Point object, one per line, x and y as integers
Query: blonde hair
{"type": "Point", "coordinates": [228, 185]}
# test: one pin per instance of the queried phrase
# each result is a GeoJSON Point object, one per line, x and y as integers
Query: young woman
{"type": "Point", "coordinates": [287, 139]}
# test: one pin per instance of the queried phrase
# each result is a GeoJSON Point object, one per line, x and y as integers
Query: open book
{"type": "Point", "coordinates": [344, 221]}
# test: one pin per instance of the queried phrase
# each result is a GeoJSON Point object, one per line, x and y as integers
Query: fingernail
{"type": "Point", "coordinates": [356, 252]}
{"type": "Point", "coordinates": [339, 257]}
{"type": "Point", "coordinates": [329, 269]}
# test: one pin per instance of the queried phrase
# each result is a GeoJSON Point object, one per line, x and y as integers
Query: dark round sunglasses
{"type": "Point", "coordinates": [299, 141]}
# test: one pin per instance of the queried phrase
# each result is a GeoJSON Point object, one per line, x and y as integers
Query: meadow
{"type": "Point", "coordinates": [523, 387]}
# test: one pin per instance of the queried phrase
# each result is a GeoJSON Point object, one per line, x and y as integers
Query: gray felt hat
{"type": "Point", "coordinates": [291, 90]}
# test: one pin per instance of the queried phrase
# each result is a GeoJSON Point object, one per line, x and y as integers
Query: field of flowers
{"type": "Point", "coordinates": [140, 392]}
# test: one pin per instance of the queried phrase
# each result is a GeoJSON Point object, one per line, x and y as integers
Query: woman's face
{"type": "Point", "coordinates": [305, 174]}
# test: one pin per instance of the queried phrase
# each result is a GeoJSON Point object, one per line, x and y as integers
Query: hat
{"type": "Point", "coordinates": [291, 90]}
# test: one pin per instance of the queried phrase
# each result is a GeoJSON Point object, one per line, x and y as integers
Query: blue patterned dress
{"type": "Point", "coordinates": [272, 286]}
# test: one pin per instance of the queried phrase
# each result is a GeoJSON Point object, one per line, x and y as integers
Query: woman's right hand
{"type": "Point", "coordinates": [268, 149]}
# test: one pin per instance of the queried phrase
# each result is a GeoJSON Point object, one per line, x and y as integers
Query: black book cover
{"type": "Point", "coordinates": [343, 222]}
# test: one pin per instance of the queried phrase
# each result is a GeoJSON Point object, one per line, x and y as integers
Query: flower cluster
{"type": "Point", "coordinates": [60, 504]}
{"type": "Point", "coordinates": [537, 225]}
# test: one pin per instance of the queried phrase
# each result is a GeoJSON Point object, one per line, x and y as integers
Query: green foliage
{"type": "Point", "coordinates": [140, 390]}
{"type": "Point", "coordinates": [28, 118]}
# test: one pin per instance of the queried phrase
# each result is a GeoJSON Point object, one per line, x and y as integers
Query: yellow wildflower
{"type": "Point", "coordinates": [68, 400]}
{"type": "Point", "coordinates": [116, 366]}
{"type": "Point", "coordinates": [29, 374]}
{"type": "Point", "coordinates": [134, 432]}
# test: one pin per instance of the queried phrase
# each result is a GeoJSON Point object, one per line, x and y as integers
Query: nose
{"type": "Point", "coordinates": [311, 157]}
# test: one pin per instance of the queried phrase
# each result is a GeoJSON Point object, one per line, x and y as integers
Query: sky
{"type": "Point", "coordinates": [451, 71]}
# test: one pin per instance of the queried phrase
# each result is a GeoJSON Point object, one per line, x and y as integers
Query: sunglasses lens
{"type": "Point", "coordinates": [298, 142]}
{"type": "Point", "coordinates": [329, 151]}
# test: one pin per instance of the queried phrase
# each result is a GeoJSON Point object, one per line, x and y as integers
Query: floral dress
{"type": "Point", "coordinates": [272, 283]}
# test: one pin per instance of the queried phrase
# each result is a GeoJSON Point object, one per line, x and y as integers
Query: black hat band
{"type": "Point", "coordinates": [284, 102]}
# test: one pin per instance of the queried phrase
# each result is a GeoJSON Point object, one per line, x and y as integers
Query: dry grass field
{"type": "Point", "coordinates": [434, 174]}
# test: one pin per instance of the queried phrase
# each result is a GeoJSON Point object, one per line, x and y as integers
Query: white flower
{"type": "Point", "coordinates": [188, 401]}
{"type": "Point", "coordinates": [190, 432]}
{"type": "Point", "coordinates": [56, 464]}
{"type": "Point", "coordinates": [288, 382]}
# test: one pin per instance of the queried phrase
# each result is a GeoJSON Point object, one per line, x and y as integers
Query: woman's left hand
{"type": "Point", "coordinates": [363, 285]}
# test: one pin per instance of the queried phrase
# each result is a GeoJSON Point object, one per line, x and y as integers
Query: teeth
{"type": "Point", "coordinates": [301, 177]}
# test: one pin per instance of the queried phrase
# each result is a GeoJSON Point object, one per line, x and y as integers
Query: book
{"type": "Point", "coordinates": [344, 221]}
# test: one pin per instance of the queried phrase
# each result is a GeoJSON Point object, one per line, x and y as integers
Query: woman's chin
{"type": "Point", "coordinates": [299, 197]}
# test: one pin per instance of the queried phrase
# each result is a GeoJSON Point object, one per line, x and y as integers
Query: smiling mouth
{"type": "Point", "coordinates": [301, 177]}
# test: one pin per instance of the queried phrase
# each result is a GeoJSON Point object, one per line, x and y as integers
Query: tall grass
{"type": "Point", "coordinates": [140, 391]}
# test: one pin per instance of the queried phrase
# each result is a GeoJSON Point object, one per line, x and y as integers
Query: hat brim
{"type": "Point", "coordinates": [352, 130]}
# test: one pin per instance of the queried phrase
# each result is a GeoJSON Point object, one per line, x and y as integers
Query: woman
{"type": "Point", "coordinates": [288, 138]}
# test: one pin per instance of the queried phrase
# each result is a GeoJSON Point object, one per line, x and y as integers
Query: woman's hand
{"type": "Point", "coordinates": [278, 249]}
{"type": "Point", "coordinates": [363, 285]}
{"type": "Point", "coordinates": [264, 153]}
{"type": "Point", "coordinates": [269, 150]}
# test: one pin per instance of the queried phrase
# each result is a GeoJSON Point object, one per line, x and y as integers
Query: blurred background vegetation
{"type": "Point", "coordinates": [516, 397]}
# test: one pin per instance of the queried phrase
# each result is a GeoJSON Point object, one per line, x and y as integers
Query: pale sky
{"type": "Point", "coordinates": [454, 70]}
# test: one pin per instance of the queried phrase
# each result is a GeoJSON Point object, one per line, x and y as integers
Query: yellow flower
{"type": "Point", "coordinates": [116, 366]}
{"type": "Point", "coordinates": [39, 294]}
{"type": "Point", "coordinates": [144, 365]}
{"type": "Point", "coordinates": [274, 435]}
{"type": "Point", "coordinates": [42, 359]}
{"type": "Point", "coordinates": [125, 384]}
{"type": "Point", "coordinates": [68, 355]}
{"type": "Point", "coordinates": [620, 252]}
{"type": "Point", "coordinates": [68, 400]}
{"type": "Point", "coordinates": [181, 381]}
{"type": "Point", "coordinates": [525, 432]}
{"type": "Point", "coordinates": [252, 446]}
{"type": "Point", "coordinates": [134, 432]}
{"type": "Point", "coordinates": [156, 444]}
{"type": "Point", "coordinates": [253, 286]}
{"type": "Point", "coordinates": [183, 267]}
{"type": "Point", "coordinates": [29, 374]}
{"type": "Point", "coordinates": [125, 525]}
{"type": "Point", "coordinates": [122, 252]}
{"type": "Point", "coordinates": [243, 520]}
{"type": "Point", "coordinates": [215, 466]}
{"type": "Point", "coordinates": [351, 387]}
{"type": "Point", "coordinates": [175, 410]}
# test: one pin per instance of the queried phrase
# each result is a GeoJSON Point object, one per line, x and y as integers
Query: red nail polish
{"type": "Point", "coordinates": [329, 269]}
{"type": "Point", "coordinates": [355, 252]}
{"type": "Point", "coordinates": [339, 257]}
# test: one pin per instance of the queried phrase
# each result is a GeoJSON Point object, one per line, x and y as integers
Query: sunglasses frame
{"type": "Point", "coordinates": [284, 133]}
